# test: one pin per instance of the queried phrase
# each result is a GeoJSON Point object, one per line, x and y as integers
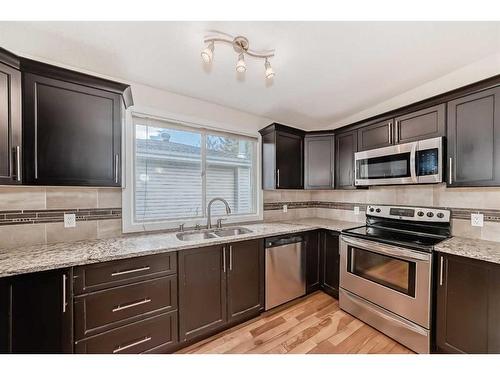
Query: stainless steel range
{"type": "Point", "coordinates": [386, 271]}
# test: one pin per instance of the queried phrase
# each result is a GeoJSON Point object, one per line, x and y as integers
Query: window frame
{"type": "Point", "coordinates": [129, 224]}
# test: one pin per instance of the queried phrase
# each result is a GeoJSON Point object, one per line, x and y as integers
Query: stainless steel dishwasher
{"type": "Point", "coordinates": [285, 269]}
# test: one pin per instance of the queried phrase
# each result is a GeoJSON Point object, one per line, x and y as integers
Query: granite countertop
{"type": "Point", "coordinates": [36, 258]}
{"type": "Point", "coordinates": [488, 251]}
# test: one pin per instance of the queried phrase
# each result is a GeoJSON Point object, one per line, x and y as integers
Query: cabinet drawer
{"type": "Point", "coordinates": [100, 311]}
{"type": "Point", "coordinates": [108, 274]}
{"type": "Point", "coordinates": [134, 338]}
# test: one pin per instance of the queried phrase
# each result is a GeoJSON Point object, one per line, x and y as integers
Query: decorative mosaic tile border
{"type": "Point", "coordinates": [456, 213]}
{"type": "Point", "coordinates": [57, 215]}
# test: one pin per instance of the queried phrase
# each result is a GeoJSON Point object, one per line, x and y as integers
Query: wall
{"type": "Point", "coordinates": [339, 204]}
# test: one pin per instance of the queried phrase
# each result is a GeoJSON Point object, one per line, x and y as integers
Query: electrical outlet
{"type": "Point", "coordinates": [69, 220]}
{"type": "Point", "coordinates": [356, 210]}
{"type": "Point", "coordinates": [476, 220]}
{"type": "Point", "coordinates": [285, 208]}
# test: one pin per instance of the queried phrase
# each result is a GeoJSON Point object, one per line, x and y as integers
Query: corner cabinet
{"type": "Point", "coordinates": [72, 133]}
{"type": "Point", "coordinates": [474, 139]}
{"type": "Point", "coordinates": [218, 287]}
{"type": "Point", "coordinates": [319, 161]}
{"type": "Point", "coordinates": [346, 144]}
{"type": "Point", "coordinates": [282, 157]}
{"type": "Point", "coordinates": [468, 305]}
{"type": "Point", "coordinates": [10, 122]}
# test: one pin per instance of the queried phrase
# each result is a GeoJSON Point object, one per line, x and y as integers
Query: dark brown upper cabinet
{"type": "Point", "coordinates": [426, 123]}
{"type": "Point", "coordinates": [245, 281]}
{"type": "Point", "coordinates": [40, 313]}
{"type": "Point", "coordinates": [468, 306]}
{"type": "Point", "coordinates": [10, 121]}
{"type": "Point", "coordinates": [346, 144]}
{"type": "Point", "coordinates": [474, 139]}
{"type": "Point", "coordinates": [319, 161]}
{"type": "Point", "coordinates": [380, 134]}
{"type": "Point", "coordinates": [282, 157]}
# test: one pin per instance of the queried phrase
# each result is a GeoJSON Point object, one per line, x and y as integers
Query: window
{"type": "Point", "coordinates": [178, 169]}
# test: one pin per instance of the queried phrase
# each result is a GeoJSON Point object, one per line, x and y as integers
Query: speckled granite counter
{"type": "Point", "coordinates": [37, 258]}
{"type": "Point", "coordinates": [488, 251]}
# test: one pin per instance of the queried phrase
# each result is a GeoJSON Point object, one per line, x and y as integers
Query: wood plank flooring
{"type": "Point", "coordinates": [313, 324]}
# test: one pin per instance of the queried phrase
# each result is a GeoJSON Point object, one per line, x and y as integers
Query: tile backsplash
{"type": "Point", "coordinates": [484, 200]}
{"type": "Point", "coordinates": [34, 215]}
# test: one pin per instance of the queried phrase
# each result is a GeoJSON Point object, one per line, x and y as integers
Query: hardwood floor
{"type": "Point", "coordinates": [313, 324]}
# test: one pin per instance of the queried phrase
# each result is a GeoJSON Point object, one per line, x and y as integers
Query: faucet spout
{"type": "Point", "coordinates": [209, 210]}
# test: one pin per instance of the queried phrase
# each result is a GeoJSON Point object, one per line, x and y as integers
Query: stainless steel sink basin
{"type": "Point", "coordinates": [226, 232]}
{"type": "Point", "coordinates": [212, 233]}
{"type": "Point", "coordinates": [195, 236]}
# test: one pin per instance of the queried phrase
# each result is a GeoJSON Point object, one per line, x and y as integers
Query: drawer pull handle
{"type": "Point", "coordinates": [122, 348]}
{"type": "Point", "coordinates": [119, 273]}
{"type": "Point", "coordinates": [128, 306]}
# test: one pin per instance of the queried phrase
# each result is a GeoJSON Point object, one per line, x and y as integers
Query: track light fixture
{"type": "Point", "coordinates": [241, 47]}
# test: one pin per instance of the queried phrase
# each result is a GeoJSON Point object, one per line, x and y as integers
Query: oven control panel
{"type": "Point", "coordinates": [409, 213]}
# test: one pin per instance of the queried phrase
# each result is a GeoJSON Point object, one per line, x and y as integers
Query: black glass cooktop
{"type": "Point", "coordinates": [419, 241]}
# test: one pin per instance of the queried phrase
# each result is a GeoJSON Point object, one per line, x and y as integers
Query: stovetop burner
{"type": "Point", "coordinates": [412, 227]}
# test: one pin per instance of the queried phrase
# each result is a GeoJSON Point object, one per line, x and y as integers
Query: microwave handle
{"type": "Point", "coordinates": [413, 163]}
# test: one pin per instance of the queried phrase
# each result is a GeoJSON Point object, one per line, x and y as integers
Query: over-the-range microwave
{"type": "Point", "coordinates": [418, 162]}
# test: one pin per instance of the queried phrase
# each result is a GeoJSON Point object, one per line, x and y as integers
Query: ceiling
{"type": "Point", "coordinates": [325, 71]}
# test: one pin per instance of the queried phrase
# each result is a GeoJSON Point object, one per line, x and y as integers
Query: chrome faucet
{"type": "Point", "coordinates": [209, 208]}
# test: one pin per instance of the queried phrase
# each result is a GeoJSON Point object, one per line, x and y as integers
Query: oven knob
{"type": "Point", "coordinates": [377, 210]}
{"type": "Point", "coordinates": [440, 215]}
{"type": "Point", "coordinates": [372, 209]}
{"type": "Point", "coordinates": [430, 214]}
{"type": "Point", "coordinates": [420, 213]}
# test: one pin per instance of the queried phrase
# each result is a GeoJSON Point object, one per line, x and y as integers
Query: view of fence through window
{"type": "Point", "coordinates": [179, 170]}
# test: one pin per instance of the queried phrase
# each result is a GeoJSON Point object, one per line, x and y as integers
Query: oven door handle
{"type": "Point", "coordinates": [413, 162]}
{"type": "Point", "coordinates": [380, 248]}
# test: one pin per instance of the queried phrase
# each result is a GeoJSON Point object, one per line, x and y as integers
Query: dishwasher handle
{"type": "Point", "coordinates": [280, 241]}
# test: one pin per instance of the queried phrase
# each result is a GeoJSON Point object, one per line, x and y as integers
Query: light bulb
{"type": "Point", "coordinates": [269, 70]}
{"type": "Point", "coordinates": [208, 53]}
{"type": "Point", "coordinates": [241, 66]}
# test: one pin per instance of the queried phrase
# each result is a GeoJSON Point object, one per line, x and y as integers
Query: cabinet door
{"type": "Point", "coordinates": [71, 133]}
{"type": "Point", "coordinates": [313, 255]}
{"type": "Point", "coordinates": [202, 291]}
{"type": "Point", "coordinates": [245, 293]}
{"type": "Point", "coordinates": [346, 146]}
{"type": "Point", "coordinates": [4, 316]}
{"type": "Point", "coordinates": [269, 161]}
{"type": "Point", "coordinates": [42, 312]}
{"type": "Point", "coordinates": [289, 161]}
{"type": "Point", "coordinates": [318, 160]}
{"type": "Point", "coordinates": [423, 124]}
{"type": "Point", "coordinates": [10, 125]}
{"type": "Point", "coordinates": [474, 139]}
{"type": "Point", "coordinates": [330, 261]}
{"type": "Point", "coordinates": [462, 306]}
{"type": "Point", "coordinates": [375, 135]}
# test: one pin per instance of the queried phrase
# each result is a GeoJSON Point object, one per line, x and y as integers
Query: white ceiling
{"type": "Point", "coordinates": [325, 71]}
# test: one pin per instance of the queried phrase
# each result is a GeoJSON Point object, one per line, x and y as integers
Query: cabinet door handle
{"type": "Point", "coordinates": [224, 259]}
{"type": "Point", "coordinates": [116, 168]}
{"type": "Point", "coordinates": [119, 273]}
{"type": "Point", "coordinates": [396, 128]}
{"type": "Point", "coordinates": [391, 132]}
{"type": "Point", "coordinates": [17, 151]}
{"type": "Point", "coordinates": [230, 257]}
{"type": "Point", "coordinates": [122, 348]}
{"type": "Point", "coordinates": [441, 266]}
{"type": "Point", "coordinates": [450, 172]}
{"type": "Point", "coordinates": [278, 178]}
{"type": "Point", "coordinates": [64, 302]}
{"type": "Point", "coordinates": [133, 304]}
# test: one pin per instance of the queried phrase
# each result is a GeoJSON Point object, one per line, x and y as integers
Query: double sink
{"type": "Point", "coordinates": [198, 235]}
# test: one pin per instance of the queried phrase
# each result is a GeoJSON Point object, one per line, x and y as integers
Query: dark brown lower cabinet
{"type": "Point", "coordinates": [245, 285]}
{"type": "Point", "coordinates": [37, 312]}
{"type": "Point", "coordinates": [313, 265]}
{"type": "Point", "coordinates": [330, 263]}
{"type": "Point", "coordinates": [218, 286]}
{"type": "Point", "coordinates": [467, 306]}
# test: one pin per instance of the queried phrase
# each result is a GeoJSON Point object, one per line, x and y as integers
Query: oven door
{"type": "Point", "coordinates": [393, 277]}
{"type": "Point", "coordinates": [386, 166]}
